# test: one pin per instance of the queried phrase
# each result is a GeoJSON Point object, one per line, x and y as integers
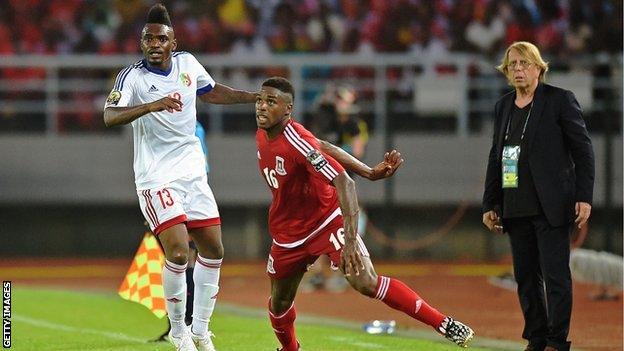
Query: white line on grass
{"type": "Point", "coordinates": [366, 345]}
{"type": "Point", "coordinates": [67, 328]}
{"type": "Point", "coordinates": [429, 335]}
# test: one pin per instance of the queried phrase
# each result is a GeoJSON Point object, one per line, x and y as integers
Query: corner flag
{"type": "Point", "coordinates": [143, 282]}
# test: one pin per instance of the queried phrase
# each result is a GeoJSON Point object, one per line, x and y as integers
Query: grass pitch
{"type": "Point", "coordinates": [45, 319]}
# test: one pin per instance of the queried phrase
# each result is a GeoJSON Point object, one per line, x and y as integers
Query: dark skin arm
{"type": "Point", "coordinates": [220, 94]}
{"type": "Point", "coordinates": [114, 116]}
{"type": "Point", "coordinates": [351, 259]}
{"type": "Point", "coordinates": [224, 95]}
{"type": "Point", "coordinates": [384, 169]}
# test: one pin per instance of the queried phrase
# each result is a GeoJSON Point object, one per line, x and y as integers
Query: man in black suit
{"type": "Point", "coordinates": [540, 179]}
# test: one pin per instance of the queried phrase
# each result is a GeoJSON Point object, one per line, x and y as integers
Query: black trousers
{"type": "Point", "coordinates": [541, 256]}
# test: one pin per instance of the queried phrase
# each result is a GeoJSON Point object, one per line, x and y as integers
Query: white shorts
{"type": "Point", "coordinates": [186, 200]}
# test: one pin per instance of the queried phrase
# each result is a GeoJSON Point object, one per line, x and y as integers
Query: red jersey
{"type": "Point", "coordinates": [300, 178]}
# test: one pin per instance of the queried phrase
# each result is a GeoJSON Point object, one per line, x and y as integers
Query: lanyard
{"type": "Point", "coordinates": [523, 128]}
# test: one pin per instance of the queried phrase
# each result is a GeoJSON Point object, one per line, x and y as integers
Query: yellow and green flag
{"type": "Point", "coordinates": [143, 282]}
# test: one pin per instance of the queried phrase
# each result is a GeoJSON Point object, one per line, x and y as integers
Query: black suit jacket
{"type": "Point", "coordinates": [560, 154]}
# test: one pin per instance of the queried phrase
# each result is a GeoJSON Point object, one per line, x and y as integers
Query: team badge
{"type": "Point", "coordinates": [279, 166]}
{"type": "Point", "coordinates": [113, 97]}
{"type": "Point", "coordinates": [316, 159]}
{"type": "Point", "coordinates": [270, 268]}
{"type": "Point", "coordinates": [185, 79]}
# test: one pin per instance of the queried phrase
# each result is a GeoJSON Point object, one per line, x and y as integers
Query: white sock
{"type": "Point", "coordinates": [206, 278]}
{"type": "Point", "coordinates": [174, 285]}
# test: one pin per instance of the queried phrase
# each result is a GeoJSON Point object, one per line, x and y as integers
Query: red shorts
{"type": "Point", "coordinates": [284, 262]}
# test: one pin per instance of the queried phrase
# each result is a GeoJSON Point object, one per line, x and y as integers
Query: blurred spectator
{"type": "Point", "coordinates": [257, 28]}
{"type": "Point", "coordinates": [460, 16]}
{"type": "Point", "coordinates": [325, 28]}
{"type": "Point", "coordinates": [351, 131]}
{"type": "Point", "coordinates": [220, 26]}
{"type": "Point", "coordinates": [487, 28]}
{"type": "Point", "coordinates": [521, 27]}
{"type": "Point", "coordinates": [579, 30]}
{"type": "Point", "coordinates": [336, 119]}
{"type": "Point", "coordinates": [606, 21]}
{"type": "Point", "coordinates": [287, 32]}
{"type": "Point", "coordinates": [130, 10]}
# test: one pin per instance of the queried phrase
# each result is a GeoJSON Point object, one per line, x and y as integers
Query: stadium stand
{"type": "Point", "coordinates": [432, 39]}
{"type": "Point", "coordinates": [485, 26]}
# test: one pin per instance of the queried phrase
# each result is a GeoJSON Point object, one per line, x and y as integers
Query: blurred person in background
{"type": "Point", "coordinates": [314, 212]}
{"type": "Point", "coordinates": [539, 182]}
{"type": "Point", "coordinates": [256, 26]}
{"type": "Point", "coordinates": [337, 117]}
{"type": "Point", "coordinates": [351, 131]}
{"type": "Point", "coordinates": [487, 29]}
{"type": "Point", "coordinates": [325, 27]}
{"type": "Point", "coordinates": [157, 95]}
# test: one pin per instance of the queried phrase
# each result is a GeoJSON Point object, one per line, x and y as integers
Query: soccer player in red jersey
{"type": "Point", "coordinates": [314, 212]}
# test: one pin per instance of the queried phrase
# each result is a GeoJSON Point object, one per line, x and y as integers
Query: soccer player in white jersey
{"type": "Point", "coordinates": [157, 95]}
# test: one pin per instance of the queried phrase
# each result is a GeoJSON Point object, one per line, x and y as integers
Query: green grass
{"type": "Point", "coordinates": [66, 320]}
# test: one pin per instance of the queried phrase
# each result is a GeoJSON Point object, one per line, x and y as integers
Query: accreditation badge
{"type": "Point", "coordinates": [511, 154]}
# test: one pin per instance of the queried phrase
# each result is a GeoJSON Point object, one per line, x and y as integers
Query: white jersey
{"type": "Point", "coordinates": [165, 145]}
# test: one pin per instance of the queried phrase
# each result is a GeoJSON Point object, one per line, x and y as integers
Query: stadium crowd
{"type": "Point", "coordinates": [282, 26]}
{"type": "Point", "coordinates": [422, 28]}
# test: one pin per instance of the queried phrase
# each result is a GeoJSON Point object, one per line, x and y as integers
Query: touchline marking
{"type": "Point", "coordinates": [66, 328]}
{"type": "Point", "coordinates": [424, 334]}
{"type": "Point", "coordinates": [58, 272]}
{"type": "Point", "coordinates": [366, 345]}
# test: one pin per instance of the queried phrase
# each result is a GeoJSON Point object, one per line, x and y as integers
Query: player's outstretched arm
{"type": "Point", "coordinates": [351, 262]}
{"type": "Point", "coordinates": [222, 94]}
{"type": "Point", "coordinates": [384, 169]}
{"type": "Point", "coordinates": [114, 116]}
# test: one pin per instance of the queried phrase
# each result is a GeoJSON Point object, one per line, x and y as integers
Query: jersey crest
{"type": "Point", "coordinates": [185, 78]}
{"type": "Point", "coordinates": [316, 159]}
{"type": "Point", "coordinates": [270, 267]}
{"type": "Point", "coordinates": [113, 97]}
{"type": "Point", "coordinates": [279, 166]}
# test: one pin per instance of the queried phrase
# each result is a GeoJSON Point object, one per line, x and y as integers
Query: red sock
{"type": "Point", "coordinates": [284, 328]}
{"type": "Point", "coordinates": [399, 296]}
